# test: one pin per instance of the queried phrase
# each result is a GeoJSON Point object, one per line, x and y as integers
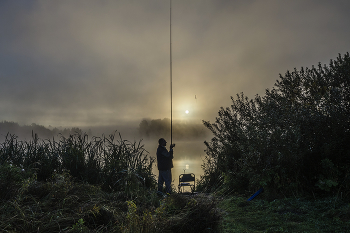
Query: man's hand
{"type": "Point", "coordinates": [172, 146]}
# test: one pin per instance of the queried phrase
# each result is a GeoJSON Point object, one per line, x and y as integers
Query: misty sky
{"type": "Point", "coordinates": [89, 62]}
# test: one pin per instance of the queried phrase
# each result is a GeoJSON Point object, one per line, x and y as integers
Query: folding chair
{"type": "Point", "coordinates": [187, 180]}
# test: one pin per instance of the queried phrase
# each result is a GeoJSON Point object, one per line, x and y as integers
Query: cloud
{"type": "Point", "coordinates": [103, 62]}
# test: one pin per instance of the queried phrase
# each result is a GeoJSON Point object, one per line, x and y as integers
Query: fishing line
{"type": "Point", "coordinates": [171, 86]}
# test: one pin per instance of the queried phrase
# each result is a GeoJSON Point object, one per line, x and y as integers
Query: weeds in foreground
{"type": "Point", "coordinates": [99, 185]}
{"type": "Point", "coordinates": [285, 215]}
{"type": "Point", "coordinates": [69, 203]}
{"type": "Point", "coordinates": [64, 205]}
{"type": "Point", "coordinates": [115, 164]}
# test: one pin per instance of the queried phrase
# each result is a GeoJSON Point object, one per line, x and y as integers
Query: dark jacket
{"type": "Point", "coordinates": [164, 158]}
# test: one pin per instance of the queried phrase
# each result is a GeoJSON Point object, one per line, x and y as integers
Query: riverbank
{"type": "Point", "coordinates": [285, 215]}
{"type": "Point", "coordinates": [64, 205]}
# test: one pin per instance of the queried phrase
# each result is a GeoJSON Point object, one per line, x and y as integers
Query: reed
{"type": "Point", "coordinates": [114, 163]}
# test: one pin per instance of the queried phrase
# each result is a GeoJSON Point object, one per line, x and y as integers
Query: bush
{"type": "Point", "coordinates": [11, 178]}
{"type": "Point", "coordinates": [293, 140]}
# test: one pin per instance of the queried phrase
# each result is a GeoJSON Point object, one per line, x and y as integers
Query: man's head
{"type": "Point", "coordinates": [162, 142]}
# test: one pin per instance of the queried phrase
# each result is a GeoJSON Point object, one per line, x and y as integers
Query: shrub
{"type": "Point", "coordinates": [292, 140]}
{"type": "Point", "coordinates": [11, 178]}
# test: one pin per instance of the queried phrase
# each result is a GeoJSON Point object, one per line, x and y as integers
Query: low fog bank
{"type": "Point", "coordinates": [27, 132]}
{"type": "Point", "coordinates": [147, 129]}
{"type": "Point", "coordinates": [181, 130]}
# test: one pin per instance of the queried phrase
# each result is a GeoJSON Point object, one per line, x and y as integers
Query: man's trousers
{"type": "Point", "coordinates": [164, 177]}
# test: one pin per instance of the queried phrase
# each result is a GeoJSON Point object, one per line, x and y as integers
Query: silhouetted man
{"type": "Point", "coordinates": [165, 163]}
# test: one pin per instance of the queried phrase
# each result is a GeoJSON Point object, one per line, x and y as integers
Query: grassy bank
{"type": "Point", "coordinates": [106, 185]}
{"type": "Point", "coordinates": [63, 205]}
{"type": "Point", "coordinates": [103, 184]}
{"type": "Point", "coordinates": [285, 215]}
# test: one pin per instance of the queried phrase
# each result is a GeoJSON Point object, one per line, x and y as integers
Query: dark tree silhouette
{"type": "Point", "coordinates": [292, 140]}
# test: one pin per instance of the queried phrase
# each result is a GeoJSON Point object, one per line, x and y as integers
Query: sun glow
{"type": "Point", "coordinates": [187, 112]}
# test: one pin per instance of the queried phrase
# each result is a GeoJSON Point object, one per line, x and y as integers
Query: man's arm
{"type": "Point", "coordinates": [166, 153]}
{"type": "Point", "coordinates": [170, 153]}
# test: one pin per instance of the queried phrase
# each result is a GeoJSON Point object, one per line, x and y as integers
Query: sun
{"type": "Point", "coordinates": [187, 112]}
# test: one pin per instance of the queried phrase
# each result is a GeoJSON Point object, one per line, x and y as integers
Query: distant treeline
{"type": "Point", "coordinates": [26, 132]}
{"type": "Point", "coordinates": [157, 128]}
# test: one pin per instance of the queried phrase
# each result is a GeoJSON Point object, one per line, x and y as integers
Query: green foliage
{"type": "Point", "coordinates": [63, 204]}
{"type": "Point", "coordinates": [79, 227]}
{"type": "Point", "coordinates": [11, 178]}
{"type": "Point", "coordinates": [48, 186]}
{"type": "Point", "coordinates": [116, 165]}
{"type": "Point", "coordinates": [11, 173]}
{"type": "Point", "coordinates": [285, 215]}
{"type": "Point", "coordinates": [180, 213]}
{"type": "Point", "coordinates": [127, 166]}
{"type": "Point", "coordinates": [328, 175]}
{"type": "Point", "coordinates": [138, 223]}
{"type": "Point", "coordinates": [293, 140]}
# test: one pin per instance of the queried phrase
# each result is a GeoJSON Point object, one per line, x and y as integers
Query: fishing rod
{"type": "Point", "coordinates": [171, 86]}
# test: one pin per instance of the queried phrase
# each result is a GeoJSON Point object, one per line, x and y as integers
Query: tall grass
{"type": "Point", "coordinates": [114, 163]}
{"type": "Point", "coordinates": [102, 184]}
